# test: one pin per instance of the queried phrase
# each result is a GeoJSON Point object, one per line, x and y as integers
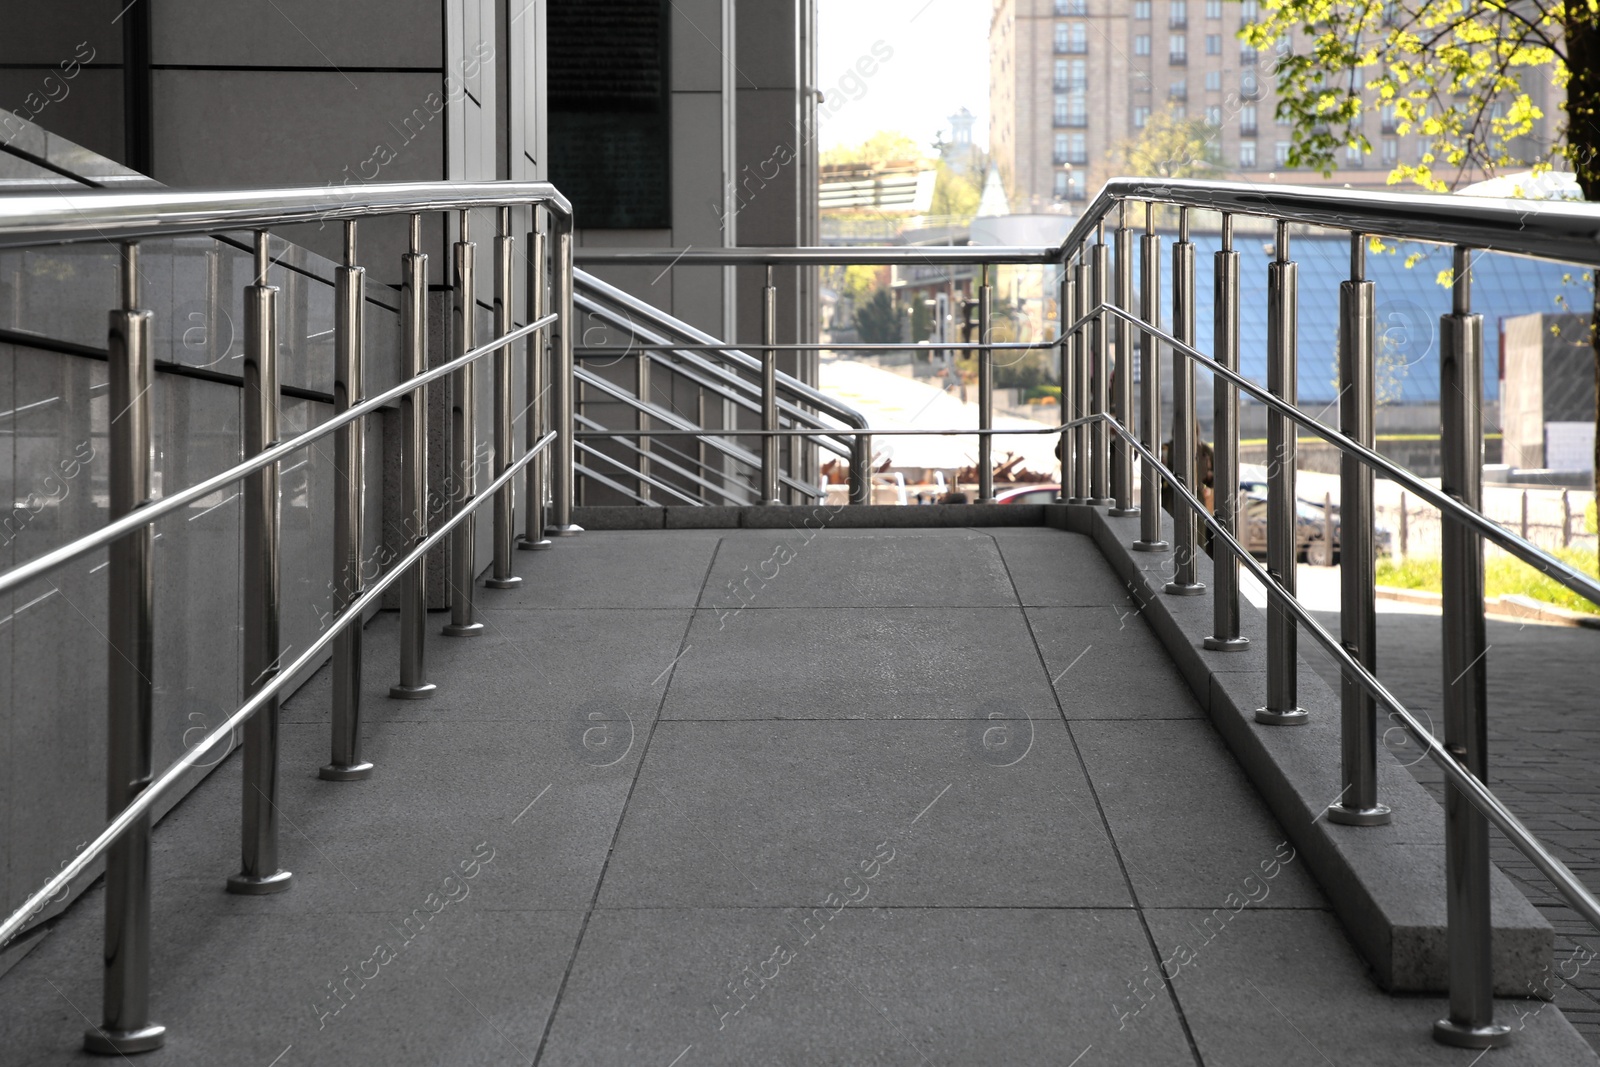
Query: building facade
{"type": "Point", "coordinates": [1074, 81]}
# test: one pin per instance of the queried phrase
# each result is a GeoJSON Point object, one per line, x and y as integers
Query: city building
{"type": "Point", "coordinates": [1071, 81]}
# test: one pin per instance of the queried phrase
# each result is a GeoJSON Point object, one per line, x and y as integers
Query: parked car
{"type": "Point", "coordinates": [1308, 521]}
{"type": "Point", "coordinates": [1040, 493]}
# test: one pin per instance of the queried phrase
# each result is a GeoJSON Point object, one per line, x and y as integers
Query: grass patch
{"type": "Point", "coordinates": [1501, 575]}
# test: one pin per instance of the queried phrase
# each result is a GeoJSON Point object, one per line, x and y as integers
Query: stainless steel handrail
{"type": "Point", "coordinates": [825, 256]}
{"type": "Point", "coordinates": [159, 786]}
{"type": "Point", "coordinates": [56, 557]}
{"type": "Point", "coordinates": [105, 215]}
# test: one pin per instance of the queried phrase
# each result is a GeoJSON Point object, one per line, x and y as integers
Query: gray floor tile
{"type": "Point", "coordinates": [859, 663]}
{"type": "Point", "coordinates": [468, 986]}
{"type": "Point", "coordinates": [1053, 568]}
{"type": "Point", "coordinates": [1187, 822]}
{"type": "Point", "coordinates": [553, 666]}
{"type": "Point", "coordinates": [780, 813]}
{"type": "Point", "coordinates": [1106, 664]}
{"type": "Point", "coordinates": [858, 568]}
{"type": "Point", "coordinates": [611, 569]}
{"type": "Point", "coordinates": [1251, 999]}
{"type": "Point", "coordinates": [898, 986]}
{"type": "Point", "coordinates": [439, 790]}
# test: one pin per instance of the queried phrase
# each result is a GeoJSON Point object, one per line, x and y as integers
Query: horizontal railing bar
{"type": "Point", "coordinates": [1559, 230]}
{"type": "Point", "coordinates": [632, 305]}
{"type": "Point", "coordinates": [657, 457]}
{"type": "Point", "coordinates": [1565, 882]}
{"type": "Point", "coordinates": [846, 432]}
{"type": "Point", "coordinates": [615, 486]}
{"type": "Point", "coordinates": [162, 783]}
{"type": "Point", "coordinates": [824, 256]}
{"type": "Point", "coordinates": [48, 562]}
{"type": "Point", "coordinates": [29, 219]}
{"type": "Point", "coordinates": [650, 480]}
{"type": "Point", "coordinates": [1527, 552]}
{"type": "Point", "coordinates": [872, 346]}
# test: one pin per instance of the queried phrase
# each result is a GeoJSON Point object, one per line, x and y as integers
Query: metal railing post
{"type": "Point", "coordinates": [1185, 434]}
{"type": "Point", "coordinates": [1358, 618]}
{"type": "Point", "coordinates": [769, 391]}
{"type": "Point", "coordinates": [860, 468]}
{"type": "Point", "coordinates": [349, 514]}
{"type": "Point", "coordinates": [563, 388]}
{"type": "Point", "coordinates": [1081, 356]}
{"type": "Point", "coordinates": [259, 872]}
{"type": "Point", "coordinates": [1150, 386]}
{"type": "Point", "coordinates": [1099, 370]}
{"type": "Point", "coordinates": [985, 391]}
{"type": "Point", "coordinates": [1471, 1021]}
{"type": "Point", "coordinates": [533, 538]}
{"type": "Point", "coordinates": [413, 593]}
{"type": "Point", "coordinates": [126, 1025]}
{"type": "Point", "coordinates": [1068, 313]}
{"type": "Point", "coordinates": [1122, 377]}
{"type": "Point", "coordinates": [462, 481]}
{"type": "Point", "coordinates": [1225, 635]}
{"type": "Point", "coordinates": [505, 500]}
{"type": "Point", "coordinates": [1283, 682]}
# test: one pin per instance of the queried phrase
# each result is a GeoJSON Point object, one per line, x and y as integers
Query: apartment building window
{"type": "Point", "coordinates": [1247, 155]}
{"type": "Point", "coordinates": [1078, 110]}
{"type": "Point", "coordinates": [1213, 115]}
{"type": "Point", "coordinates": [1249, 84]}
{"type": "Point", "coordinates": [1213, 81]}
{"type": "Point", "coordinates": [1280, 154]}
{"type": "Point", "coordinates": [1391, 151]}
{"type": "Point", "coordinates": [1072, 7]}
{"type": "Point", "coordinates": [1077, 186]}
{"type": "Point", "coordinates": [1424, 146]}
{"type": "Point", "coordinates": [1247, 56]}
{"type": "Point", "coordinates": [1141, 115]}
{"type": "Point", "coordinates": [1062, 185]}
{"type": "Point", "coordinates": [1353, 156]}
{"type": "Point", "coordinates": [1178, 90]}
{"type": "Point", "coordinates": [1178, 50]}
{"type": "Point", "coordinates": [1141, 44]}
{"type": "Point", "coordinates": [1062, 75]}
{"type": "Point", "coordinates": [1078, 76]}
{"type": "Point", "coordinates": [1249, 10]}
{"type": "Point", "coordinates": [1179, 111]}
{"type": "Point", "coordinates": [1078, 149]}
{"type": "Point", "coordinates": [1062, 109]}
{"type": "Point", "coordinates": [1249, 120]}
{"type": "Point", "coordinates": [1063, 37]}
{"type": "Point", "coordinates": [1060, 155]}
{"type": "Point", "coordinates": [1213, 9]}
{"type": "Point", "coordinates": [1285, 46]}
{"type": "Point", "coordinates": [1389, 118]}
{"type": "Point", "coordinates": [1141, 10]}
{"type": "Point", "coordinates": [1178, 14]}
{"type": "Point", "coordinates": [1078, 40]}
{"type": "Point", "coordinates": [1213, 44]}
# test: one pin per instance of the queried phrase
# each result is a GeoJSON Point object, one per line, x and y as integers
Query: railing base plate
{"type": "Point", "coordinates": [565, 531]}
{"type": "Point", "coordinates": [1226, 644]}
{"type": "Point", "coordinates": [121, 1042]}
{"type": "Point", "coordinates": [412, 692]}
{"type": "Point", "coordinates": [525, 545]}
{"type": "Point", "coordinates": [252, 886]}
{"type": "Point", "coordinates": [1454, 1034]}
{"type": "Point", "coordinates": [1179, 589]}
{"type": "Point", "coordinates": [502, 583]}
{"type": "Point", "coordinates": [469, 629]}
{"type": "Point", "coordinates": [1377, 815]}
{"type": "Point", "coordinates": [1292, 717]}
{"type": "Point", "coordinates": [1150, 546]}
{"type": "Point", "coordinates": [1123, 513]}
{"type": "Point", "coordinates": [343, 772]}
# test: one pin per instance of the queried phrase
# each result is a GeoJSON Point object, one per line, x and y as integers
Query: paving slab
{"type": "Point", "coordinates": [1251, 999]}
{"type": "Point", "coordinates": [1053, 568]}
{"type": "Point", "coordinates": [743, 814]}
{"type": "Point", "coordinates": [859, 663]}
{"type": "Point", "coordinates": [620, 569]}
{"type": "Point", "coordinates": [897, 986]}
{"type": "Point", "coordinates": [1106, 664]}
{"type": "Point", "coordinates": [803, 568]}
{"type": "Point", "coordinates": [1229, 847]}
{"type": "Point", "coordinates": [551, 665]}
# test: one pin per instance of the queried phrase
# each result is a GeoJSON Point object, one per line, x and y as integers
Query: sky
{"type": "Point", "coordinates": [938, 63]}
